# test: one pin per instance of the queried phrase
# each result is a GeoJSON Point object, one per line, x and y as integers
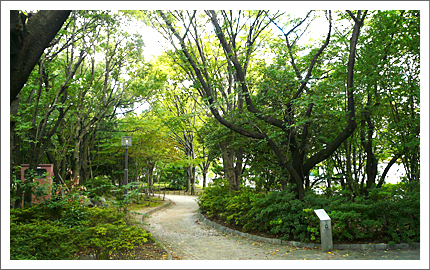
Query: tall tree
{"type": "Point", "coordinates": [45, 103]}
{"type": "Point", "coordinates": [102, 88]}
{"type": "Point", "coordinates": [66, 97]}
{"type": "Point", "coordinates": [294, 160]}
{"type": "Point", "coordinates": [387, 107]}
{"type": "Point", "coordinates": [218, 69]}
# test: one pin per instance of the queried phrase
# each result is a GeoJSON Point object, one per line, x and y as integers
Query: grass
{"type": "Point", "coordinates": [142, 205]}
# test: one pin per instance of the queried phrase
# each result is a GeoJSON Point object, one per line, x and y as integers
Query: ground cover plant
{"type": "Point", "coordinates": [65, 229]}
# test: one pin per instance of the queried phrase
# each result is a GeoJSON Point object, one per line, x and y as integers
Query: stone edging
{"type": "Point", "coordinates": [169, 255]}
{"type": "Point", "coordinates": [275, 241]}
{"type": "Point", "coordinates": [157, 208]}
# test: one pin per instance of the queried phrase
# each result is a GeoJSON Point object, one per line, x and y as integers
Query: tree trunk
{"type": "Point", "coordinates": [76, 169]}
{"type": "Point", "coordinates": [239, 166]}
{"type": "Point", "coordinates": [28, 40]}
{"type": "Point", "coordinates": [15, 153]}
{"type": "Point", "coordinates": [232, 171]}
{"type": "Point", "coordinates": [54, 162]}
{"type": "Point", "coordinates": [204, 174]}
{"type": "Point", "coordinates": [297, 180]}
{"type": "Point", "coordinates": [204, 166]}
{"type": "Point", "coordinates": [372, 162]}
{"type": "Point", "coordinates": [190, 178]}
{"type": "Point", "coordinates": [387, 168]}
{"type": "Point", "coordinates": [193, 180]}
{"type": "Point", "coordinates": [84, 161]}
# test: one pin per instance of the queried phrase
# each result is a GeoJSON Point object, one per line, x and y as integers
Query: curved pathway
{"type": "Point", "coordinates": [179, 230]}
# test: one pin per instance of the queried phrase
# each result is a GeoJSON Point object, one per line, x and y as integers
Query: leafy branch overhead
{"type": "Point", "coordinates": [255, 97]}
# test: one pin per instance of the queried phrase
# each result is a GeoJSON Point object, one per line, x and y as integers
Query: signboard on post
{"type": "Point", "coordinates": [322, 215]}
{"type": "Point", "coordinates": [325, 229]}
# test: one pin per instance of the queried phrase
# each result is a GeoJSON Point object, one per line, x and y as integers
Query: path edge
{"type": "Point", "coordinates": [157, 208]}
{"type": "Point", "coordinates": [169, 203]}
{"type": "Point", "coordinates": [376, 246]}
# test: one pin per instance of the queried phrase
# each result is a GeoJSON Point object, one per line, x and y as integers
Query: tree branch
{"type": "Point", "coordinates": [241, 76]}
{"type": "Point", "coordinates": [206, 87]}
{"type": "Point", "coordinates": [349, 129]}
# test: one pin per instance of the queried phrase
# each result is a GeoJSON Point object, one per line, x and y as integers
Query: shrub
{"type": "Point", "coordinates": [114, 241]}
{"type": "Point", "coordinates": [388, 214]}
{"type": "Point", "coordinates": [213, 200]}
{"type": "Point", "coordinates": [278, 213]}
{"type": "Point", "coordinates": [99, 186]}
{"type": "Point", "coordinates": [48, 210]}
{"type": "Point", "coordinates": [239, 206]}
{"type": "Point", "coordinates": [398, 209]}
{"type": "Point", "coordinates": [391, 213]}
{"type": "Point", "coordinates": [64, 212]}
{"type": "Point", "coordinates": [60, 229]}
{"type": "Point", "coordinates": [41, 240]}
{"type": "Point", "coordinates": [101, 215]}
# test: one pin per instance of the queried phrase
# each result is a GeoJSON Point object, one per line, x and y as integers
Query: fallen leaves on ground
{"type": "Point", "coordinates": [148, 251]}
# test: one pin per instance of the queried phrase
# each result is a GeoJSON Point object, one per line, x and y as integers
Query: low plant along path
{"type": "Point", "coordinates": [179, 230]}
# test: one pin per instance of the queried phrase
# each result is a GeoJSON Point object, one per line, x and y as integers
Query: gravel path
{"type": "Point", "coordinates": [179, 230]}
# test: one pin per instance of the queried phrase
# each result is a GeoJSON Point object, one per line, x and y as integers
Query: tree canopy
{"type": "Point", "coordinates": [246, 94]}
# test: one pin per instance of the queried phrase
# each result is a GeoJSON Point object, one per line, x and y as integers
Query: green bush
{"type": "Point", "coordinates": [388, 214]}
{"type": "Point", "coordinates": [101, 215]}
{"type": "Point", "coordinates": [49, 210]}
{"type": "Point", "coordinates": [239, 206]}
{"type": "Point", "coordinates": [278, 213]}
{"type": "Point", "coordinates": [41, 240]}
{"type": "Point", "coordinates": [398, 209]}
{"type": "Point", "coordinates": [214, 200]}
{"type": "Point", "coordinates": [114, 241]}
{"type": "Point", "coordinates": [99, 186]}
{"type": "Point", "coordinates": [62, 229]}
{"type": "Point", "coordinates": [64, 212]}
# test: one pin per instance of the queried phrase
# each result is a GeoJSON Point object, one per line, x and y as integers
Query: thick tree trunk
{"type": "Point", "coordinates": [227, 161]}
{"type": "Point", "coordinates": [15, 152]}
{"type": "Point", "coordinates": [239, 165]}
{"type": "Point", "coordinates": [84, 161]}
{"type": "Point", "coordinates": [192, 178]}
{"type": "Point", "coordinates": [204, 174]}
{"type": "Point", "coordinates": [28, 40]}
{"type": "Point", "coordinates": [371, 162]}
{"type": "Point", "coordinates": [232, 173]}
{"type": "Point", "coordinates": [348, 173]}
{"type": "Point", "coordinates": [54, 162]}
{"type": "Point", "coordinates": [297, 181]}
{"type": "Point", "coordinates": [191, 174]}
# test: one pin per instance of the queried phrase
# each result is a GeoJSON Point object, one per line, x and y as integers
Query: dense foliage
{"type": "Point", "coordinates": [265, 104]}
{"type": "Point", "coordinates": [338, 102]}
{"type": "Point", "coordinates": [390, 214]}
{"type": "Point", "coordinates": [65, 229]}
